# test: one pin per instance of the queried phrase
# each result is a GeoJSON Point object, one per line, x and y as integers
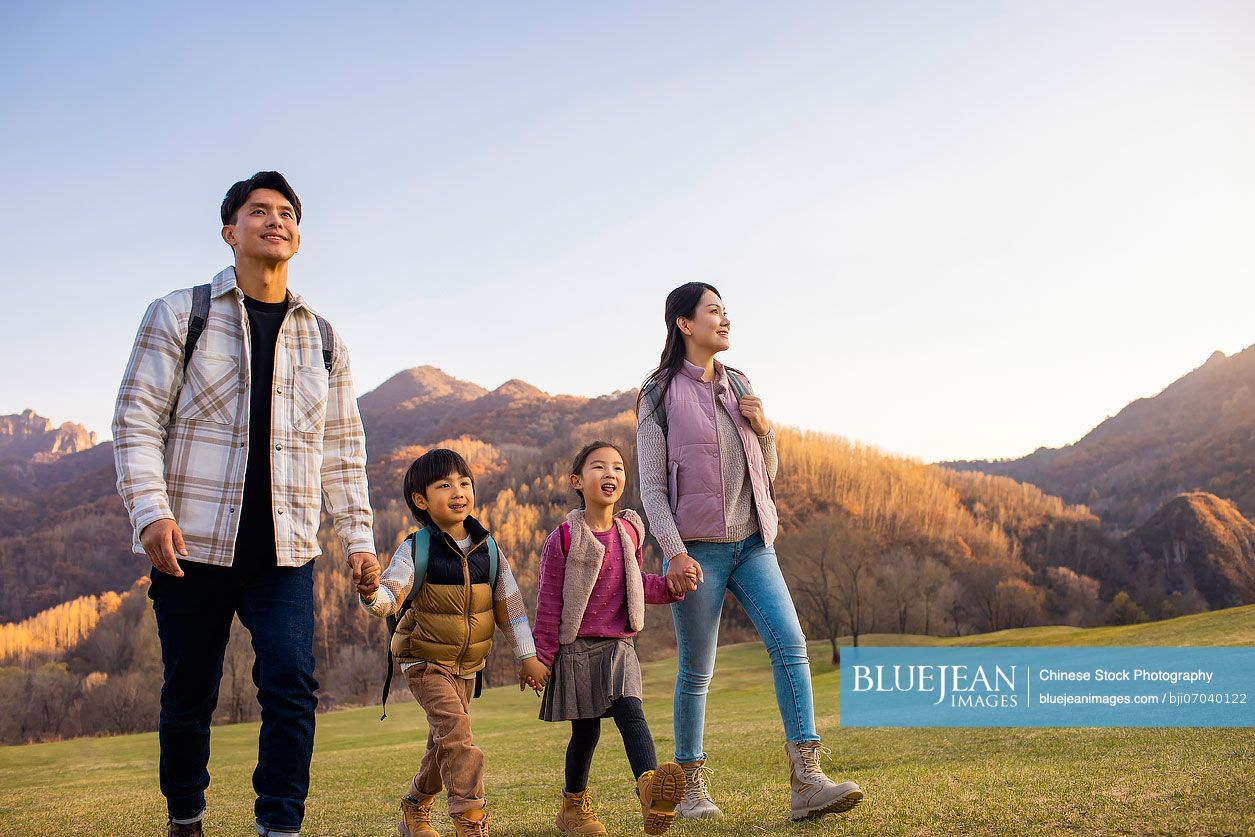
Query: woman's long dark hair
{"type": "Point", "coordinates": [682, 302]}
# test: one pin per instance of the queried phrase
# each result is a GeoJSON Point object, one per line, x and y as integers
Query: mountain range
{"type": "Point", "coordinates": [1198, 434]}
{"type": "Point", "coordinates": [1118, 521]}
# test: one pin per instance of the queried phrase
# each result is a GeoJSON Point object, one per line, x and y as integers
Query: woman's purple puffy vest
{"type": "Point", "coordinates": [695, 474]}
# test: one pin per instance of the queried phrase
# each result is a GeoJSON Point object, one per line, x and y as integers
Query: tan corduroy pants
{"type": "Point", "coordinates": [452, 760]}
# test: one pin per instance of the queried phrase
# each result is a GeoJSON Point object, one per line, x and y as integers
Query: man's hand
{"type": "Point", "coordinates": [752, 408]}
{"type": "Point", "coordinates": [532, 672]}
{"type": "Point", "coordinates": [365, 568]}
{"type": "Point", "coordinates": [683, 574]}
{"type": "Point", "coordinates": [163, 543]}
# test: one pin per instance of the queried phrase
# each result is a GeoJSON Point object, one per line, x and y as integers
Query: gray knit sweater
{"type": "Point", "coordinates": [738, 495]}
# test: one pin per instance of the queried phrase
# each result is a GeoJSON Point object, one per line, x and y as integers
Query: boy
{"type": "Point", "coordinates": [443, 638]}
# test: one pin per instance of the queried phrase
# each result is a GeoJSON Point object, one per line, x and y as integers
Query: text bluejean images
{"type": "Point", "coordinates": [1048, 687]}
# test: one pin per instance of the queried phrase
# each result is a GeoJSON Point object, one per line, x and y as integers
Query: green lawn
{"type": "Point", "coordinates": [918, 781]}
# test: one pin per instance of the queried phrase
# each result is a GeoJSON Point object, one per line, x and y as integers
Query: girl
{"type": "Point", "coordinates": [707, 456]}
{"type": "Point", "coordinates": [590, 604]}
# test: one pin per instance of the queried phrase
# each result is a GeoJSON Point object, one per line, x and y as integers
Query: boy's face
{"type": "Point", "coordinates": [448, 500]}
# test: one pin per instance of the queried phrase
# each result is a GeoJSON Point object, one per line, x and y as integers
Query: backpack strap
{"type": "Point", "coordinates": [196, 322]}
{"type": "Point", "coordinates": [632, 536]}
{"type": "Point", "coordinates": [494, 558]}
{"type": "Point", "coordinates": [653, 395]}
{"type": "Point", "coordinates": [740, 384]}
{"type": "Point", "coordinates": [328, 342]}
{"type": "Point", "coordinates": [420, 549]}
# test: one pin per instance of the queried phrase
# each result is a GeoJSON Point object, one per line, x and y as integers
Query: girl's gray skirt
{"type": "Point", "coordinates": [588, 675]}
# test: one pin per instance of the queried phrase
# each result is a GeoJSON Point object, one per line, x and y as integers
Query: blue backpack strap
{"type": "Point", "coordinates": [420, 550]}
{"type": "Point", "coordinates": [196, 322]}
{"type": "Point", "coordinates": [494, 558]}
{"type": "Point", "coordinates": [740, 384]}
{"type": "Point", "coordinates": [328, 342]}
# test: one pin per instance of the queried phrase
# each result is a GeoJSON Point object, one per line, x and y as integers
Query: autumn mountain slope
{"type": "Point", "coordinates": [1198, 434]}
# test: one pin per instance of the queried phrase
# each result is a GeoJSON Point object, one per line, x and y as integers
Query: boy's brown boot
{"type": "Point", "coordinates": [659, 791]}
{"type": "Point", "coordinates": [814, 794]}
{"type": "Point", "coordinates": [577, 816]}
{"type": "Point", "coordinates": [471, 823]}
{"type": "Point", "coordinates": [416, 817]}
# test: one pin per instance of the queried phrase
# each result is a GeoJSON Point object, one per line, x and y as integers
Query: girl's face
{"type": "Point", "coordinates": [709, 327]}
{"type": "Point", "coordinates": [602, 478]}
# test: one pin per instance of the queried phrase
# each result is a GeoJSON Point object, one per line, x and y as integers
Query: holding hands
{"type": "Point", "coordinates": [365, 567]}
{"type": "Point", "coordinates": [532, 672]}
{"type": "Point", "coordinates": [683, 574]}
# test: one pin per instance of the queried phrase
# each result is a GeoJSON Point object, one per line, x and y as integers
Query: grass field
{"type": "Point", "coordinates": [918, 781]}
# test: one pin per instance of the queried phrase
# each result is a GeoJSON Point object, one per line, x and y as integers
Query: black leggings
{"type": "Point", "coordinates": [639, 744]}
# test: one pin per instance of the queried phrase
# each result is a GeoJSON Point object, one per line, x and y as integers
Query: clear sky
{"type": "Point", "coordinates": [953, 230]}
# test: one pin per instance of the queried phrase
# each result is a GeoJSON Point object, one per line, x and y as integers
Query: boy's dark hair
{"type": "Point", "coordinates": [432, 466]}
{"type": "Point", "coordinates": [239, 193]}
{"type": "Point", "coordinates": [580, 458]}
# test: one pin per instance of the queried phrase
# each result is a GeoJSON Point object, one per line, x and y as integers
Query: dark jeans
{"type": "Point", "coordinates": [276, 605]}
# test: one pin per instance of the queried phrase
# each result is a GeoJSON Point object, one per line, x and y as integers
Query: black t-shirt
{"type": "Point", "coordinates": [255, 542]}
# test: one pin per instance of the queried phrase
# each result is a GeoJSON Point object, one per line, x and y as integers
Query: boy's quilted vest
{"type": "Point", "coordinates": [695, 473]}
{"type": "Point", "coordinates": [451, 625]}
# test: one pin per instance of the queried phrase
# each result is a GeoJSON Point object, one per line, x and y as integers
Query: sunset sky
{"type": "Point", "coordinates": [952, 230]}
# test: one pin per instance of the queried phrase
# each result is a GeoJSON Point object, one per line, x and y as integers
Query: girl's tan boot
{"type": "Point", "coordinates": [577, 815]}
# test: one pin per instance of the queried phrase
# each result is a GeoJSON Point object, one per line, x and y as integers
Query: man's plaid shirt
{"type": "Point", "coordinates": [181, 441]}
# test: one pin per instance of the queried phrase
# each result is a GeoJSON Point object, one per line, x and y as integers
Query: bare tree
{"type": "Point", "coordinates": [899, 576]}
{"type": "Point", "coordinates": [836, 585]}
{"type": "Point", "coordinates": [934, 577]}
{"type": "Point", "coordinates": [238, 696]}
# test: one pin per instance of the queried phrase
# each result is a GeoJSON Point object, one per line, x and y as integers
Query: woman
{"type": "Point", "coordinates": [707, 456]}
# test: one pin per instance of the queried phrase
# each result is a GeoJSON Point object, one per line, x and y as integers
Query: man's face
{"type": "Point", "coordinates": [264, 229]}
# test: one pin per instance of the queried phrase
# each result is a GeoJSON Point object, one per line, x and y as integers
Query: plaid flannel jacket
{"type": "Point", "coordinates": [181, 440]}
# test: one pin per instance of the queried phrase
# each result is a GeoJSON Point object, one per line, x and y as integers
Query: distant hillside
{"type": "Point", "coordinates": [1196, 435]}
{"type": "Point", "coordinates": [407, 407]}
{"type": "Point", "coordinates": [424, 405]}
{"type": "Point", "coordinates": [30, 437]}
{"type": "Point", "coordinates": [1198, 541]}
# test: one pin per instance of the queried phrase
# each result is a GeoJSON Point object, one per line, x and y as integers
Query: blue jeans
{"type": "Point", "coordinates": [276, 605]}
{"type": "Point", "coordinates": [750, 570]}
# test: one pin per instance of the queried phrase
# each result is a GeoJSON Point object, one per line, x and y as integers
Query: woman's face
{"type": "Point", "coordinates": [709, 327]}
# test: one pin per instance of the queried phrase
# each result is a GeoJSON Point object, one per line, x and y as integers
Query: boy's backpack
{"type": "Point", "coordinates": [420, 549]}
{"type": "Point", "coordinates": [200, 315]}
{"type": "Point", "coordinates": [565, 536]}
{"type": "Point", "coordinates": [652, 395]}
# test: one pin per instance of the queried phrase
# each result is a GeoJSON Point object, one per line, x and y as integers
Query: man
{"type": "Point", "coordinates": [235, 414]}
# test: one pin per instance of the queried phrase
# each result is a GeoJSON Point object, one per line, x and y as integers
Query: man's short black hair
{"type": "Point", "coordinates": [239, 193]}
{"type": "Point", "coordinates": [432, 466]}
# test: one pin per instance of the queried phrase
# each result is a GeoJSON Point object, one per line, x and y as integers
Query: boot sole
{"type": "Point", "coordinates": [404, 831]}
{"type": "Point", "coordinates": [836, 806]}
{"type": "Point", "coordinates": [666, 791]}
